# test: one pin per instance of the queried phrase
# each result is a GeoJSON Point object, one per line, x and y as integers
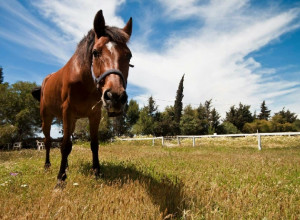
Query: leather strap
{"type": "Point", "coordinates": [106, 73]}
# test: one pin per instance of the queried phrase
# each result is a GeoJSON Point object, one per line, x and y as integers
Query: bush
{"type": "Point", "coordinates": [228, 128]}
{"type": "Point", "coordinates": [8, 134]}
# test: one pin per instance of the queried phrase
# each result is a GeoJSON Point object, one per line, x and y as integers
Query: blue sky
{"type": "Point", "coordinates": [231, 51]}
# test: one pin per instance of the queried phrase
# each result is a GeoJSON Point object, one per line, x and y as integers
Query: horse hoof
{"type": "Point", "coordinates": [47, 166]}
{"type": "Point", "coordinates": [60, 185]}
{"type": "Point", "coordinates": [97, 173]}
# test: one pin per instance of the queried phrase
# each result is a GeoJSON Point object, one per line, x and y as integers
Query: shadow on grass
{"type": "Point", "coordinates": [165, 192]}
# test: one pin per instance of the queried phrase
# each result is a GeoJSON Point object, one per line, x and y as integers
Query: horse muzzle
{"type": "Point", "coordinates": [114, 102]}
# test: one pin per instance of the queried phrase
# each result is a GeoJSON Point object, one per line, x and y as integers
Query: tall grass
{"type": "Point", "coordinates": [217, 179]}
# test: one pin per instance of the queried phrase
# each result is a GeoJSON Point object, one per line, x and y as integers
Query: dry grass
{"type": "Point", "coordinates": [217, 179]}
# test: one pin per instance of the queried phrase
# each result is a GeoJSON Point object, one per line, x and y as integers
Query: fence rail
{"type": "Point", "coordinates": [193, 137]}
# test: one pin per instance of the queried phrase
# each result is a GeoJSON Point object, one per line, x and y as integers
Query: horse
{"type": "Point", "coordinates": [94, 77]}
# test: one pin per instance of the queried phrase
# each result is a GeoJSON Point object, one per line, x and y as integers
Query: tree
{"type": "Point", "coordinates": [166, 125]}
{"type": "Point", "coordinates": [82, 129]}
{"type": "Point", "coordinates": [228, 128]}
{"type": "Point", "coordinates": [152, 107]}
{"type": "Point", "coordinates": [178, 101]}
{"type": "Point", "coordinates": [287, 116]}
{"type": "Point", "coordinates": [264, 112]}
{"type": "Point", "coordinates": [208, 118]}
{"type": "Point", "coordinates": [239, 116]}
{"type": "Point", "coordinates": [1, 75]}
{"type": "Point", "coordinates": [19, 109]}
{"type": "Point", "coordinates": [148, 118]}
{"type": "Point", "coordinates": [132, 113]}
{"type": "Point", "coordinates": [189, 123]}
{"type": "Point", "coordinates": [105, 127]}
{"type": "Point", "coordinates": [145, 123]}
{"type": "Point", "coordinates": [214, 121]}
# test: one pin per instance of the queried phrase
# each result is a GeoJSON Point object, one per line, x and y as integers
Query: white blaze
{"type": "Point", "coordinates": [110, 45]}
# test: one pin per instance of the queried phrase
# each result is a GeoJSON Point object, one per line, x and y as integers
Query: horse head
{"type": "Point", "coordinates": [110, 63]}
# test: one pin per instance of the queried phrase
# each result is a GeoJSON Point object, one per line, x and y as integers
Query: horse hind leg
{"type": "Point", "coordinates": [46, 127]}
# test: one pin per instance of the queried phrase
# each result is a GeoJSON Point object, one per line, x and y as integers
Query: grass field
{"type": "Point", "coordinates": [217, 179]}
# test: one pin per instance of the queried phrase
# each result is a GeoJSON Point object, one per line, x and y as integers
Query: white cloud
{"type": "Point", "coordinates": [75, 18]}
{"type": "Point", "coordinates": [214, 58]}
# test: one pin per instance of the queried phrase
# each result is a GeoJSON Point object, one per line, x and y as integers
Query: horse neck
{"type": "Point", "coordinates": [81, 71]}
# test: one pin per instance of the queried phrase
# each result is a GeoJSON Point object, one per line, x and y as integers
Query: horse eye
{"type": "Point", "coordinates": [96, 53]}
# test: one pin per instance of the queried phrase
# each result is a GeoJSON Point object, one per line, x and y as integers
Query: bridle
{"type": "Point", "coordinates": [106, 73]}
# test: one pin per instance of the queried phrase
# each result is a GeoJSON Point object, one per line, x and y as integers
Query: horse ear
{"type": "Point", "coordinates": [99, 24]}
{"type": "Point", "coordinates": [128, 27]}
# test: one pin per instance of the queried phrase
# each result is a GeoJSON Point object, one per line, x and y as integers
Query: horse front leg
{"type": "Point", "coordinates": [94, 125]}
{"type": "Point", "coordinates": [66, 147]}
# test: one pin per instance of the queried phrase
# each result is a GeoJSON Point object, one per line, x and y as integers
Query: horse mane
{"type": "Point", "coordinates": [85, 46]}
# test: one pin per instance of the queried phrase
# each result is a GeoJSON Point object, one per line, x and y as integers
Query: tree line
{"type": "Point", "coordinates": [20, 118]}
{"type": "Point", "coordinates": [202, 120]}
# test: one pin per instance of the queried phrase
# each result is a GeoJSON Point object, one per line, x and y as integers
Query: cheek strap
{"type": "Point", "coordinates": [106, 73]}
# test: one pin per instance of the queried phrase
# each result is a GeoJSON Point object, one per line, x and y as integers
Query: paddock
{"type": "Point", "coordinates": [218, 178]}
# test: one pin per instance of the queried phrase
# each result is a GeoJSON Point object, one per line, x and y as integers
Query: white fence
{"type": "Point", "coordinates": [194, 137]}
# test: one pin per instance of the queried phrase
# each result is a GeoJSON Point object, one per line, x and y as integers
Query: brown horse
{"type": "Point", "coordinates": [95, 76]}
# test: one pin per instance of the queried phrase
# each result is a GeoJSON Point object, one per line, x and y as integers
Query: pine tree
{"type": "Point", "coordinates": [178, 101]}
{"type": "Point", "coordinates": [239, 116]}
{"type": "Point", "coordinates": [152, 107]}
{"type": "Point", "coordinates": [264, 112]}
{"type": "Point", "coordinates": [1, 75]}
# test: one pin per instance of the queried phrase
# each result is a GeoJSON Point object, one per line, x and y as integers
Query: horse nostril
{"type": "Point", "coordinates": [123, 98]}
{"type": "Point", "coordinates": [107, 95]}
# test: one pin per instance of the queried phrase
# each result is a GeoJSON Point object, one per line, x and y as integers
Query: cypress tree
{"type": "Point", "coordinates": [1, 75]}
{"type": "Point", "coordinates": [178, 101]}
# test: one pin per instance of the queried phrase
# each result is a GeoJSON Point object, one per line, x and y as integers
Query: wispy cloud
{"type": "Point", "coordinates": [25, 29]}
{"type": "Point", "coordinates": [214, 56]}
{"type": "Point", "coordinates": [75, 18]}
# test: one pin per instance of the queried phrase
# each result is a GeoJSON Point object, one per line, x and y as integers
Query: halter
{"type": "Point", "coordinates": [106, 73]}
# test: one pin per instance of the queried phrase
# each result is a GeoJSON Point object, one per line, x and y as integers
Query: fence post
{"type": "Point", "coordinates": [153, 141]}
{"type": "Point", "coordinates": [178, 141]}
{"type": "Point", "coordinates": [162, 141]}
{"type": "Point", "coordinates": [193, 141]}
{"type": "Point", "coordinates": [259, 141]}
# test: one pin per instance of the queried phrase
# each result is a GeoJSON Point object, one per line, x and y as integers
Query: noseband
{"type": "Point", "coordinates": [106, 73]}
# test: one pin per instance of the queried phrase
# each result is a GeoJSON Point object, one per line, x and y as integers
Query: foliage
{"type": "Point", "coordinates": [145, 123]}
{"type": "Point", "coordinates": [132, 113]}
{"type": "Point", "coordinates": [208, 118]}
{"type": "Point", "coordinates": [296, 125]}
{"type": "Point", "coordinates": [19, 109]}
{"type": "Point", "coordinates": [7, 134]}
{"type": "Point", "coordinates": [264, 112]}
{"type": "Point", "coordinates": [105, 129]}
{"type": "Point", "coordinates": [82, 129]}
{"type": "Point", "coordinates": [151, 107]}
{"type": "Point", "coordinates": [262, 126]}
{"type": "Point", "coordinates": [239, 116]}
{"type": "Point", "coordinates": [1, 75]}
{"type": "Point", "coordinates": [228, 128]}
{"type": "Point", "coordinates": [178, 101]}
{"type": "Point", "coordinates": [189, 123]}
{"type": "Point", "coordinates": [280, 124]}
{"type": "Point", "coordinates": [166, 125]}
{"type": "Point", "coordinates": [286, 116]}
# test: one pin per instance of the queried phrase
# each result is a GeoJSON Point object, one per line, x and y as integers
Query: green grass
{"type": "Point", "coordinates": [217, 179]}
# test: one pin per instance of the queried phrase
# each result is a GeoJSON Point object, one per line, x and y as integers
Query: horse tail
{"type": "Point", "coordinates": [36, 93]}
